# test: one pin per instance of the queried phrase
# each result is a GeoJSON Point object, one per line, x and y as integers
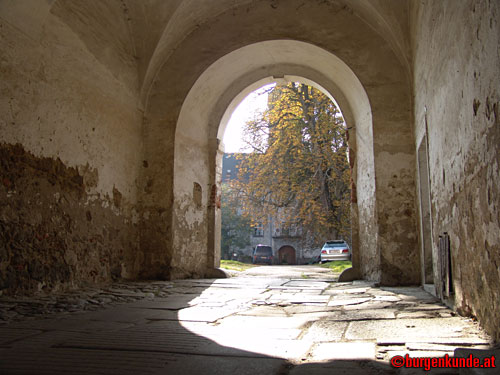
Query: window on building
{"type": "Point", "coordinates": [285, 229]}
{"type": "Point", "coordinates": [258, 230]}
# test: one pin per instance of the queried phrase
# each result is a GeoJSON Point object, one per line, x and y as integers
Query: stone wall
{"type": "Point", "coordinates": [53, 235]}
{"type": "Point", "coordinates": [70, 145]}
{"type": "Point", "coordinates": [457, 100]}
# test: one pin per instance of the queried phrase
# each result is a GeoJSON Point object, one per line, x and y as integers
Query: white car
{"type": "Point", "coordinates": [335, 250]}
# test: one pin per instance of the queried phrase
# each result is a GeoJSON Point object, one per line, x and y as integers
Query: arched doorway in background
{"type": "Point", "coordinates": [287, 255]}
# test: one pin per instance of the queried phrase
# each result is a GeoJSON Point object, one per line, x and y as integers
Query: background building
{"type": "Point", "coordinates": [290, 245]}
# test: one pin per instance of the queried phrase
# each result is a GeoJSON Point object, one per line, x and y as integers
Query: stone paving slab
{"type": "Point", "coordinates": [472, 340]}
{"type": "Point", "coordinates": [326, 330]}
{"type": "Point", "coordinates": [426, 307]}
{"type": "Point", "coordinates": [265, 311]}
{"type": "Point", "coordinates": [420, 353]}
{"type": "Point", "coordinates": [363, 315]}
{"type": "Point", "coordinates": [174, 341]}
{"type": "Point", "coordinates": [270, 322]}
{"type": "Point", "coordinates": [353, 290]}
{"type": "Point", "coordinates": [248, 334]}
{"type": "Point", "coordinates": [425, 346]}
{"type": "Point", "coordinates": [44, 339]}
{"type": "Point", "coordinates": [221, 365]}
{"type": "Point", "coordinates": [307, 309]}
{"type": "Point", "coordinates": [263, 346]}
{"type": "Point", "coordinates": [9, 335]}
{"type": "Point", "coordinates": [413, 330]}
{"type": "Point", "coordinates": [385, 298]}
{"type": "Point", "coordinates": [204, 314]}
{"type": "Point", "coordinates": [410, 293]}
{"type": "Point", "coordinates": [122, 314]}
{"type": "Point", "coordinates": [51, 361]}
{"type": "Point", "coordinates": [173, 302]}
{"type": "Point", "coordinates": [284, 289]}
{"type": "Point", "coordinates": [349, 301]}
{"type": "Point", "coordinates": [344, 350]}
{"type": "Point", "coordinates": [369, 305]}
{"type": "Point", "coordinates": [218, 331]}
{"type": "Point", "coordinates": [418, 314]}
{"type": "Point", "coordinates": [72, 324]}
{"type": "Point", "coordinates": [343, 367]}
{"type": "Point", "coordinates": [300, 298]}
{"type": "Point", "coordinates": [307, 284]}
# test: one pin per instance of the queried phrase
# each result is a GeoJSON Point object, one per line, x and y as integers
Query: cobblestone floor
{"type": "Point", "coordinates": [284, 320]}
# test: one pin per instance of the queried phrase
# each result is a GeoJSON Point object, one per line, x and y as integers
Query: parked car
{"type": "Point", "coordinates": [335, 250]}
{"type": "Point", "coordinates": [262, 254]}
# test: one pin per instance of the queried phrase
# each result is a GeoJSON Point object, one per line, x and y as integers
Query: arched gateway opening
{"type": "Point", "coordinates": [198, 152]}
{"type": "Point", "coordinates": [287, 255]}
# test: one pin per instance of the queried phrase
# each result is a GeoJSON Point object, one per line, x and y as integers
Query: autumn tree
{"type": "Point", "coordinates": [299, 169]}
{"type": "Point", "coordinates": [236, 228]}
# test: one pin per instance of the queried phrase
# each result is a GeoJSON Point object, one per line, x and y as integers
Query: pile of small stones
{"type": "Point", "coordinates": [15, 308]}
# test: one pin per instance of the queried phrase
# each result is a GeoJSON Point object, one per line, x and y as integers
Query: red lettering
{"type": "Point", "coordinates": [448, 361]}
{"type": "Point", "coordinates": [427, 364]}
{"type": "Point", "coordinates": [435, 362]}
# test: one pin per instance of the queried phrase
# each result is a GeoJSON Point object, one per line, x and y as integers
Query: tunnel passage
{"type": "Point", "coordinates": [111, 154]}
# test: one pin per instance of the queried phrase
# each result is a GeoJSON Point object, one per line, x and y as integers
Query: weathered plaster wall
{"type": "Point", "coordinates": [394, 156]}
{"type": "Point", "coordinates": [70, 139]}
{"type": "Point", "coordinates": [364, 186]}
{"type": "Point", "coordinates": [192, 192]}
{"type": "Point", "coordinates": [456, 75]}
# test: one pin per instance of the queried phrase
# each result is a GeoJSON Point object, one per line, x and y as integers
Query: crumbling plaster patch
{"type": "Point", "coordinates": [51, 237]}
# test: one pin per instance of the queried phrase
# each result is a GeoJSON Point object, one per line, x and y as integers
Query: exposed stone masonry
{"type": "Point", "coordinates": [54, 234]}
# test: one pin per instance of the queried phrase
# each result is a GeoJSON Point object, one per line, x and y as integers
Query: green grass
{"type": "Point", "coordinates": [337, 265]}
{"type": "Point", "coordinates": [235, 265]}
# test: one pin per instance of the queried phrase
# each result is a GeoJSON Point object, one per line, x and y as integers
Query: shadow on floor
{"type": "Point", "coordinates": [150, 337]}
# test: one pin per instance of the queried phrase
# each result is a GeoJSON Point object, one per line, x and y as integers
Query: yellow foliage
{"type": "Point", "coordinates": [300, 163]}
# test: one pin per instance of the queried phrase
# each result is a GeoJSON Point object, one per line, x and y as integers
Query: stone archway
{"type": "Point", "coordinates": [203, 77]}
{"type": "Point", "coordinates": [287, 255]}
{"type": "Point", "coordinates": [203, 119]}
{"type": "Point", "coordinates": [198, 154]}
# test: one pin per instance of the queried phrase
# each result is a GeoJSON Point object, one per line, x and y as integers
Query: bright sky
{"type": "Point", "coordinates": [255, 102]}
